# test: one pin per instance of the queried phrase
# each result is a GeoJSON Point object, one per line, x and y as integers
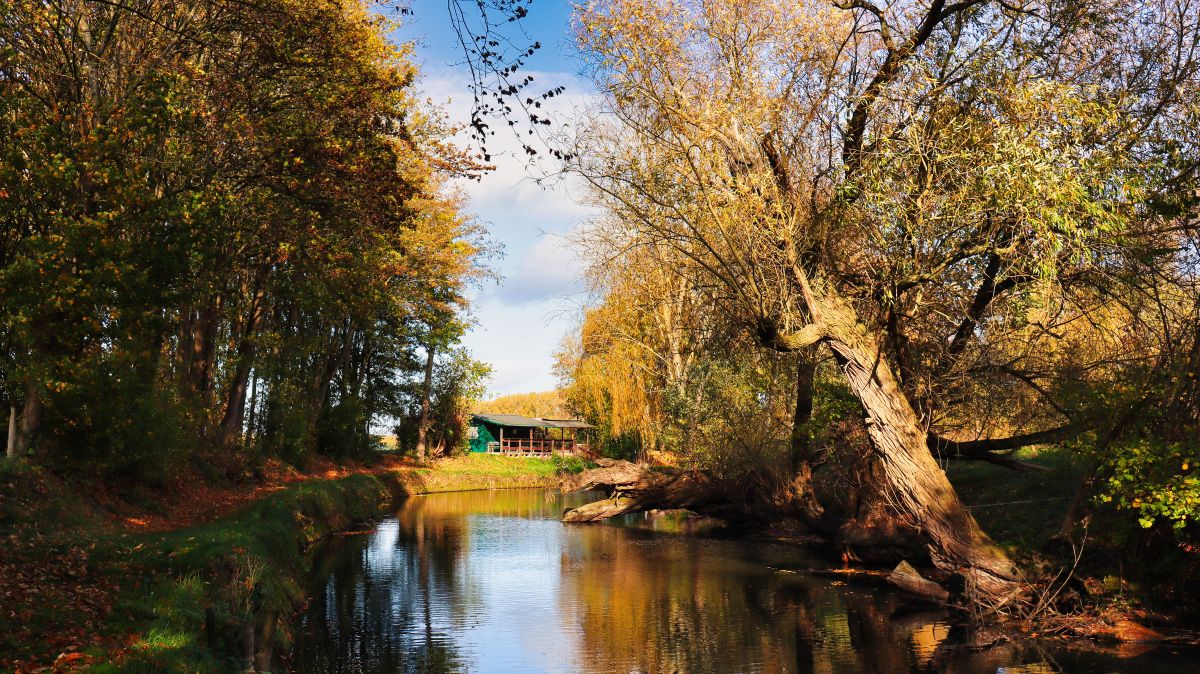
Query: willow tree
{"type": "Point", "coordinates": [822, 164]}
{"type": "Point", "coordinates": [637, 347]}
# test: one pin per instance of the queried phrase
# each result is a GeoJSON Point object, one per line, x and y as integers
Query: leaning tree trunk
{"type": "Point", "coordinates": [912, 484]}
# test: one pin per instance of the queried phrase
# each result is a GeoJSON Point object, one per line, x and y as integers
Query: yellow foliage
{"type": "Point", "coordinates": [538, 404]}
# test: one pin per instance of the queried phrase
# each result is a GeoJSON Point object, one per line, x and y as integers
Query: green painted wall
{"type": "Point", "coordinates": [485, 433]}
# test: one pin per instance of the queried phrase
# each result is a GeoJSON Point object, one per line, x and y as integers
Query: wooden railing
{"type": "Point", "coordinates": [534, 447]}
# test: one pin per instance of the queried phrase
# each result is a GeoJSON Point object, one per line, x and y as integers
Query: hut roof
{"type": "Point", "coordinates": [529, 422]}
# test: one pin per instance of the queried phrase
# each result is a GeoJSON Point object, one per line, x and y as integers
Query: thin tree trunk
{"type": "Point", "coordinates": [426, 390]}
{"type": "Point", "coordinates": [253, 407]}
{"type": "Point", "coordinates": [322, 382]}
{"type": "Point", "coordinates": [235, 402]}
{"type": "Point", "coordinates": [11, 450]}
{"type": "Point", "coordinates": [802, 495]}
{"type": "Point", "coordinates": [203, 339]}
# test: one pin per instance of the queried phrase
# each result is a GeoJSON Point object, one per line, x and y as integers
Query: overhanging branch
{"type": "Point", "coordinates": [769, 336]}
{"type": "Point", "coordinates": [987, 449]}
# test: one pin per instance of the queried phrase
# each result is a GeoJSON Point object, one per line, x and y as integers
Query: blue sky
{"type": "Point", "coordinates": [520, 321]}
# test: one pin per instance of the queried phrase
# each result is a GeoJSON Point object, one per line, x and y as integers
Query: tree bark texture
{"type": "Point", "coordinates": [31, 419]}
{"type": "Point", "coordinates": [426, 390]}
{"type": "Point", "coordinates": [10, 449]}
{"type": "Point", "coordinates": [637, 489]}
{"type": "Point", "coordinates": [235, 405]}
{"type": "Point", "coordinates": [913, 486]}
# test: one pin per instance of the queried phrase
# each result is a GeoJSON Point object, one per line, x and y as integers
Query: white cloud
{"type": "Point", "coordinates": [550, 269]}
{"type": "Point", "coordinates": [532, 195]}
{"type": "Point", "coordinates": [520, 322]}
{"type": "Point", "coordinates": [519, 342]}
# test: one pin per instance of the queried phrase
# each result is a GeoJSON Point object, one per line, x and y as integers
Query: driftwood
{"type": "Point", "coordinates": [905, 577]}
{"type": "Point", "coordinates": [611, 473]}
{"type": "Point", "coordinates": [634, 488]}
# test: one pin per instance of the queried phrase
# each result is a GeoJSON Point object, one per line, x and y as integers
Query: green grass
{"type": "Point", "coordinates": [507, 466]}
{"type": "Point", "coordinates": [488, 471]}
{"type": "Point", "coordinates": [242, 570]}
{"type": "Point", "coordinates": [248, 568]}
{"type": "Point", "coordinates": [1019, 510]}
{"type": "Point", "coordinates": [186, 597]}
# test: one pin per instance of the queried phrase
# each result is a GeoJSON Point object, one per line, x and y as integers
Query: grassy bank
{"type": "Point", "coordinates": [1020, 510]}
{"type": "Point", "coordinates": [1123, 571]}
{"type": "Point", "coordinates": [199, 598]}
{"type": "Point", "coordinates": [484, 471]}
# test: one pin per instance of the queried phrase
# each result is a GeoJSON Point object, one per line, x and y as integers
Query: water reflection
{"type": "Point", "coordinates": [492, 581]}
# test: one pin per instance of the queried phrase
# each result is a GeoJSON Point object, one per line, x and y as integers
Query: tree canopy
{"type": "Point", "coordinates": [983, 212]}
{"type": "Point", "coordinates": [227, 229]}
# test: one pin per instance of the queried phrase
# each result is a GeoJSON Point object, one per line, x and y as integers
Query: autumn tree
{"type": "Point", "coordinates": [846, 176]}
{"type": "Point", "coordinates": [222, 222]}
{"type": "Point", "coordinates": [539, 404]}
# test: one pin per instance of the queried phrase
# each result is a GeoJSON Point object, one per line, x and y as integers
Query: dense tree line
{"type": "Point", "coordinates": [225, 231]}
{"type": "Point", "coordinates": [966, 227]}
{"type": "Point", "coordinates": [538, 404]}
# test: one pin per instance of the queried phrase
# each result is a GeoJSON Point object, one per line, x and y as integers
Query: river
{"type": "Point", "coordinates": [491, 581]}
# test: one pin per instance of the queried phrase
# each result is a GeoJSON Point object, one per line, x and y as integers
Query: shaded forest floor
{"type": "Point", "coordinates": [1115, 579]}
{"type": "Point", "coordinates": [90, 575]}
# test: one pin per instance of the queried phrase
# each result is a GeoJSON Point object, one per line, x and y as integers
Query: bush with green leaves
{"type": "Point", "coordinates": [1159, 481]}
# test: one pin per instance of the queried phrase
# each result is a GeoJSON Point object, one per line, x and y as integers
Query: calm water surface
{"type": "Point", "coordinates": [493, 582]}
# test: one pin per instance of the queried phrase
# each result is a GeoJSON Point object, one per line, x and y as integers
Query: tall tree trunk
{"type": "Point", "coordinates": [235, 400]}
{"type": "Point", "coordinates": [336, 359]}
{"type": "Point", "coordinates": [11, 449]}
{"type": "Point", "coordinates": [911, 483]}
{"type": "Point", "coordinates": [250, 423]}
{"type": "Point", "coordinates": [800, 455]}
{"type": "Point", "coordinates": [426, 390]}
{"type": "Point", "coordinates": [31, 419]}
{"type": "Point", "coordinates": [202, 344]}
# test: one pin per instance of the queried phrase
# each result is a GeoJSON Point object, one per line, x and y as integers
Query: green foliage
{"type": "Point", "coordinates": [343, 431]}
{"type": "Point", "coordinates": [569, 464]}
{"type": "Point", "coordinates": [459, 382]}
{"type": "Point", "coordinates": [109, 421]}
{"type": "Point", "coordinates": [1020, 510]}
{"type": "Point", "coordinates": [627, 445]}
{"type": "Point", "coordinates": [188, 221]}
{"type": "Point", "coordinates": [1158, 481]}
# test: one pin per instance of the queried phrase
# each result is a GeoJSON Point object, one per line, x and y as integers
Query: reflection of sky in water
{"type": "Point", "coordinates": [493, 582]}
{"type": "Point", "coordinates": [516, 563]}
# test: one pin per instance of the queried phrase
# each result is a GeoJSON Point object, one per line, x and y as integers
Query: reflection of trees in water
{"type": "Point", "coordinates": [398, 601]}
{"type": "Point", "coordinates": [656, 604]}
{"type": "Point", "coordinates": [532, 503]}
{"type": "Point", "coordinates": [388, 607]}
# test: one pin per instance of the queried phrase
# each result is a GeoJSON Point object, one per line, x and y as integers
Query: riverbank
{"type": "Point", "coordinates": [95, 581]}
{"type": "Point", "coordinates": [1111, 580]}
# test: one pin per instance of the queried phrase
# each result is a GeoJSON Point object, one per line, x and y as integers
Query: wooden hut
{"type": "Point", "coordinates": [515, 435]}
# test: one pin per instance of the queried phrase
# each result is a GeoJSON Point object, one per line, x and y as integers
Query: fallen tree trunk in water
{"type": "Point", "coordinates": [905, 577]}
{"type": "Point", "coordinates": [635, 488]}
